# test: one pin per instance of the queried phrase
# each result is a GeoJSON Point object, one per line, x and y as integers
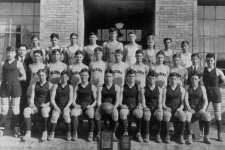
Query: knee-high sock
{"type": "Point", "coordinates": [3, 121]}
{"type": "Point", "coordinates": [99, 125]}
{"type": "Point", "coordinates": [53, 126]}
{"type": "Point", "coordinates": [206, 128]}
{"type": "Point", "coordinates": [139, 123]}
{"type": "Point", "coordinates": [188, 125]}
{"type": "Point", "coordinates": [68, 126]}
{"type": "Point", "coordinates": [16, 120]}
{"type": "Point", "coordinates": [125, 125]}
{"type": "Point", "coordinates": [27, 122]}
{"type": "Point", "coordinates": [182, 127]}
{"type": "Point", "coordinates": [114, 126]}
{"type": "Point", "coordinates": [219, 126]}
{"type": "Point", "coordinates": [45, 124]}
{"type": "Point", "coordinates": [91, 124]}
{"type": "Point", "coordinates": [146, 125]}
{"type": "Point", "coordinates": [158, 129]}
{"type": "Point", "coordinates": [167, 128]}
{"type": "Point", "coordinates": [75, 123]}
{"type": "Point", "coordinates": [201, 125]}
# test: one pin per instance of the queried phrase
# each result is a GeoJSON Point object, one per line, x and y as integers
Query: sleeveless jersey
{"type": "Point", "coordinates": [130, 53]}
{"type": "Point", "coordinates": [42, 94]}
{"type": "Point", "coordinates": [195, 98]}
{"type": "Point", "coordinates": [151, 97]}
{"type": "Point", "coordinates": [109, 95]}
{"type": "Point", "coordinates": [119, 71]}
{"type": "Point", "coordinates": [141, 73]}
{"type": "Point", "coordinates": [97, 73]}
{"type": "Point", "coordinates": [10, 72]}
{"type": "Point", "coordinates": [173, 98]}
{"type": "Point", "coordinates": [62, 96]}
{"type": "Point", "coordinates": [130, 96]}
{"type": "Point", "coordinates": [84, 95]}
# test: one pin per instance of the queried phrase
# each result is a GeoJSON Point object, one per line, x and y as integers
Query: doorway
{"type": "Point", "coordinates": [136, 15]}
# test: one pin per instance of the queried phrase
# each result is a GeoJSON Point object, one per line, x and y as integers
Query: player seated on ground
{"type": "Point", "coordinates": [61, 99]}
{"type": "Point", "coordinates": [131, 104]}
{"type": "Point", "coordinates": [108, 102]}
{"type": "Point", "coordinates": [39, 103]}
{"type": "Point", "coordinates": [196, 103]}
{"type": "Point", "coordinates": [152, 103]}
{"type": "Point", "coordinates": [84, 102]}
{"type": "Point", "coordinates": [173, 108]}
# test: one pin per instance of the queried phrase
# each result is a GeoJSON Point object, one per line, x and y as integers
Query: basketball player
{"type": "Point", "coordinates": [130, 49]}
{"type": "Point", "coordinates": [196, 103]}
{"type": "Point", "coordinates": [131, 104]}
{"type": "Point", "coordinates": [185, 55]}
{"type": "Point", "coordinates": [168, 51]}
{"type": "Point", "coordinates": [152, 103]}
{"type": "Point", "coordinates": [211, 77]}
{"type": "Point", "coordinates": [173, 107]}
{"type": "Point", "coordinates": [61, 99]}
{"type": "Point", "coordinates": [150, 52]}
{"type": "Point", "coordinates": [38, 103]}
{"type": "Point", "coordinates": [108, 102]}
{"type": "Point", "coordinates": [56, 67]}
{"type": "Point", "coordinates": [12, 73]}
{"type": "Point", "coordinates": [84, 102]}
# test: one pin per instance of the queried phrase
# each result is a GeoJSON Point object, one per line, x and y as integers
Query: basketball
{"type": "Point", "coordinates": [107, 108]}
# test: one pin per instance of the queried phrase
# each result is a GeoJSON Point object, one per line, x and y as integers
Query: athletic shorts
{"type": "Point", "coordinates": [213, 94]}
{"type": "Point", "coordinates": [10, 89]}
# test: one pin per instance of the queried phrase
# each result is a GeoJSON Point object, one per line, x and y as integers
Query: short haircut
{"type": "Point", "coordinates": [85, 70]}
{"type": "Point", "coordinates": [113, 30]}
{"type": "Point", "coordinates": [196, 74]}
{"type": "Point", "coordinates": [54, 35]}
{"type": "Point", "coordinates": [73, 34]}
{"type": "Point", "coordinates": [131, 33]}
{"type": "Point", "coordinates": [184, 42]}
{"type": "Point", "coordinates": [34, 36]}
{"type": "Point", "coordinates": [79, 52]}
{"type": "Point", "coordinates": [167, 38]}
{"type": "Point", "coordinates": [160, 53]}
{"type": "Point", "coordinates": [10, 48]}
{"type": "Point", "coordinates": [211, 55]}
{"type": "Point", "coordinates": [139, 51]}
{"type": "Point", "coordinates": [42, 70]}
{"type": "Point", "coordinates": [174, 74]}
{"type": "Point", "coordinates": [152, 73]}
{"type": "Point", "coordinates": [108, 71]}
{"type": "Point", "coordinates": [56, 50]}
{"type": "Point", "coordinates": [100, 49]}
{"type": "Point", "coordinates": [195, 55]}
{"type": "Point", "coordinates": [176, 56]}
{"type": "Point", "coordinates": [118, 51]}
{"type": "Point", "coordinates": [23, 45]}
{"type": "Point", "coordinates": [65, 72]}
{"type": "Point", "coordinates": [130, 71]}
{"type": "Point", "coordinates": [38, 52]}
{"type": "Point", "coordinates": [92, 34]}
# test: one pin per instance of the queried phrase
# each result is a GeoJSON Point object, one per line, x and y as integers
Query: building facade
{"type": "Point", "coordinates": [201, 22]}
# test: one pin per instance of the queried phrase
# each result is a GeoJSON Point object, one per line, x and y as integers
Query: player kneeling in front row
{"type": "Point", "coordinates": [61, 99]}
{"type": "Point", "coordinates": [173, 107]}
{"type": "Point", "coordinates": [152, 103]}
{"type": "Point", "coordinates": [131, 104]}
{"type": "Point", "coordinates": [108, 102]}
{"type": "Point", "coordinates": [196, 102]}
{"type": "Point", "coordinates": [39, 103]}
{"type": "Point", "coordinates": [84, 103]}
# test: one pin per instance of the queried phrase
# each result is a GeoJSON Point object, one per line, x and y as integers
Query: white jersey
{"type": "Point", "coordinates": [141, 73]}
{"type": "Point", "coordinates": [34, 68]}
{"type": "Point", "coordinates": [97, 69]}
{"type": "Point", "coordinates": [162, 74]}
{"type": "Point", "coordinates": [89, 53]}
{"type": "Point", "coordinates": [119, 73]}
{"type": "Point", "coordinates": [186, 59]}
{"type": "Point", "coordinates": [70, 53]}
{"type": "Point", "coordinates": [149, 57]}
{"type": "Point", "coordinates": [182, 72]}
{"type": "Point", "coordinates": [130, 51]}
{"type": "Point", "coordinates": [55, 70]}
{"type": "Point", "coordinates": [75, 73]}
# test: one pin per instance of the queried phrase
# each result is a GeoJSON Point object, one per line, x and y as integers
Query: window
{"type": "Point", "coordinates": [211, 30]}
{"type": "Point", "coordinates": [18, 22]}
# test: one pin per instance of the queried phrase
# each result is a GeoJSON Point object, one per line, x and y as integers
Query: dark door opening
{"type": "Point", "coordinates": [136, 15]}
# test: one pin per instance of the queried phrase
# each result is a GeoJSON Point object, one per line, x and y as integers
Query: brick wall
{"type": "Point", "coordinates": [62, 17]}
{"type": "Point", "coordinates": [176, 19]}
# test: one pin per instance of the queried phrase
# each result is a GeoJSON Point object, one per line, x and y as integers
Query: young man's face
{"type": "Point", "coordinates": [92, 39]}
{"type": "Point", "coordinates": [98, 54]}
{"type": "Point", "coordinates": [79, 58]}
{"type": "Point", "coordinates": [56, 56]}
{"type": "Point", "coordinates": [131, 37]}
{"type": "Point", "coordinates": [131, 78]}
{"type": "Point", "coordinates": [174, 80]}
{"type": "Point", "coordinates": [42, 76]}
{"type": "Point", "coordinates": [73, 39]}
{"type": "Point", "coordinates": [35, 41]}
{"type": "Point", "coordinates": [195, 60]}
{"type": "Point", "coordinates": [151, 79]}
{"type": "Point", "coordinates": [160, 59]}
{"type": "Point", "coordinates": [54, 41]}
{"type": "Point", "coordinates": [37, 57]}
{"type": "Point", "coordinates": [108, 78]}
{"type": "Point", "coordinates": [113, 35]}
{"type": "Point", "coordinates": [195, 80]}
{"type": "Point", "coordinates": [150, 42]}
{"type": "Point", "coordinates": [64, 78]}
{"type": "Point", "coordinates": [84, 76]}
{"type": "Point", "coordinates": [176, 61]}
{"type": "Point", "coordinates": [167, 44]}
{"type": "Point", "coordinates": [210, 61]}
{"type": "Point", "coordinates": [22, 51]}
{"type": "Point", "coordinates": [118, 57]}
{"type": "Point", "coordinates": [10, 55]}
{"type": "Point", "coordinates": [185, 47]}
{"type": "Point", "coordinates": [139, 57]}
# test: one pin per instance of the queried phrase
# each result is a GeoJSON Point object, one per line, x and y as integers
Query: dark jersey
{"type": "Point", "coordinates": [130, 96]}
{"type": "Point", "coordinates": [85, 95]}
{"type": "Point", "coordinates": [10, 73]}
{"type": "Point", "coordinates": [195, 98]}
{"type": "Point", "coordinates": [62, 96]}
{"type": "Point", "coordinates": [109, 95]}
{"type": "Point", "coordinates": [173, 98]}
{"type": "Point", "coordinates": [42, 94]}
{"type": "Point", "coordinates": [152, 97]}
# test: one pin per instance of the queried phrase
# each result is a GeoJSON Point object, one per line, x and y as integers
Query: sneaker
{"type": "Point", "coordinates": [146, 138]}
{"type": "Point", "coordinates": [44, 136]}
{"type": "Point", "coordinates": [189, 139]}
{"type": "Point", "coordinates": [114, 137]}
{"type": "Point", "coordinates": [139, 138]}
{"type": "Point", "coordinates": [158, 138]}
{"type": "Point", "coordinates": [74, 137]}
{"type": "Point", "coordinates": [206, 140]}
{"type": "Point", "coordinates": [220, 137]}
{"type": "Point", "coordinates": [16, 132]}
{"type": "Point", "coordinates": [181, 139]}
{"type": "Point", "coordinates": [51, 136]}
{"type": "Point", "coordinates": [68, 136]}
{"type": "Point", "coordinates": [167, 139]}
{"type": "Point", "coordinates": [27, 136]}
{"type": "Point", "coordinates": [90, 137]}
